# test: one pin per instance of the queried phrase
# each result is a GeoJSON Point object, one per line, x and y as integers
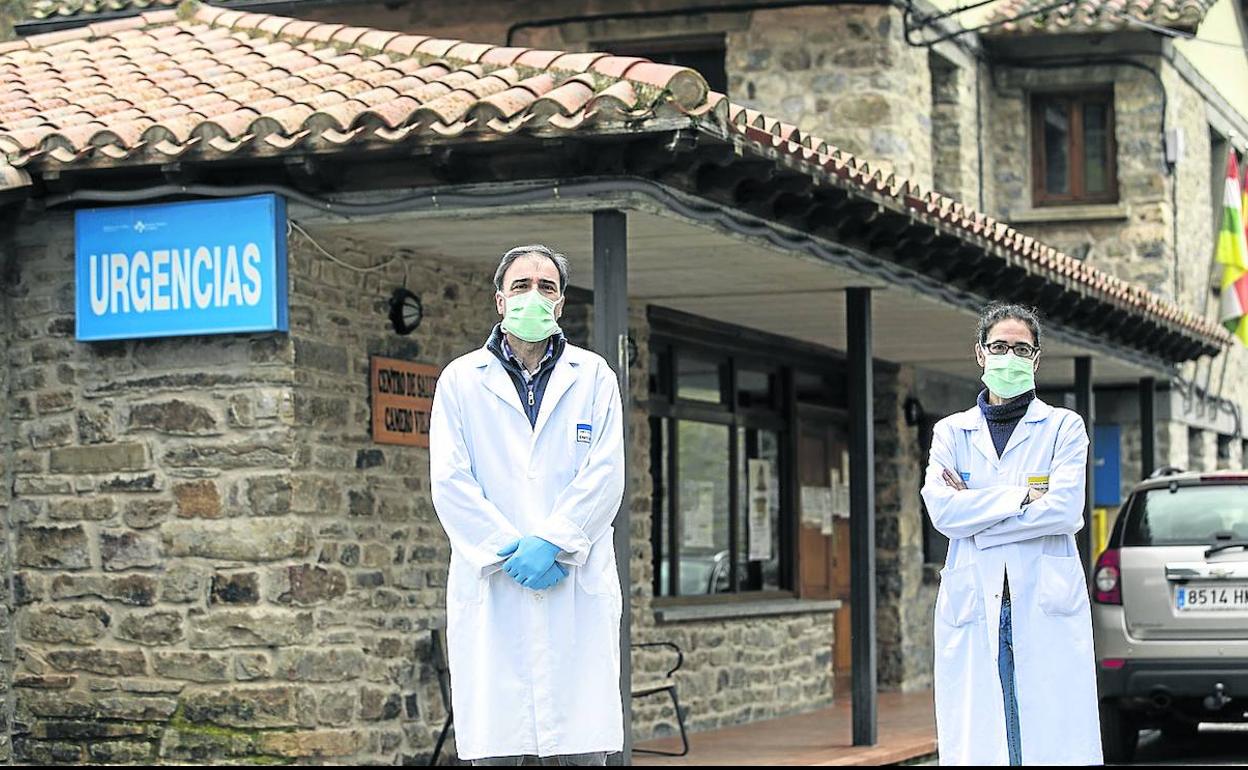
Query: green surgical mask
{"type": "Point", "coordinates": [1008, 375]}
{"type": "Point", "coordinates": [530, 316]}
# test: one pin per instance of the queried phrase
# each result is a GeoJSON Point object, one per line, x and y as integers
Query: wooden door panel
{"type": "Point", "coordinates": [814, 551]}
{"type": "Point", "coordinates": [824, 559]}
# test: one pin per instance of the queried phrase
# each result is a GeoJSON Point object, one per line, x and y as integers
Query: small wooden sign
{"type": "Point", "coordinates": [402, 399]}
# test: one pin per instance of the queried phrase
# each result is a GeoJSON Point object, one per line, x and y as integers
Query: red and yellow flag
{"type": "Point", "coordinates": [1233, 253]}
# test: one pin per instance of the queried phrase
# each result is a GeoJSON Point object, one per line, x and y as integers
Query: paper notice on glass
{"type": "Point", "coordinates": [697, 511]}
{"type": "Point", "coordinates": [829, 507]}
{"type": "Point", "coordinates": [817, 508]}
{"type": "Point", "coordinates": [844, 508]}
{"type": "Point", "coordinates": [840, 495]}
{"type": "Point", "coordinates": [814, 499]}
{"type": "Point", "coordinates": [759, 499]}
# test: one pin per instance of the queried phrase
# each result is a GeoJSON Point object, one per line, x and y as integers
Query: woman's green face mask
{"type": "Point", "coordinates": [530, 316]}
{"type": "Point", "coordinates": [1007, 375]}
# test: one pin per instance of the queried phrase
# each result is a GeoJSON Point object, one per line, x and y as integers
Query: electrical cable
{"type": "Point", "coordinates": [292, 225]}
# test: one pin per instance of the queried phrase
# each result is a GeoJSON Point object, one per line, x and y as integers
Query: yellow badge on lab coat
{"type": "Point", "coordinates": [1038, 482]}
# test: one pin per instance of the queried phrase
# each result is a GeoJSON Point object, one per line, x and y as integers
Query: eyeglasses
{"type": "Point", "coordinates": [1021, 349]}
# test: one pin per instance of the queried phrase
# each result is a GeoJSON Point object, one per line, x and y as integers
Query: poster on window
{"type": "Point", "coordinates": [759, 499]}
{"type": "Point", "coordinates": [840, 498]}
{"type": "Point", "coordinates": [829, 511]}
{"type": "Point", "coordinates": [816, 507]}
{"type": "Point", "coordinates": [697, 512]}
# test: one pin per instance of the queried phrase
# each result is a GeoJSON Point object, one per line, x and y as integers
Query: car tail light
{"type": "Point", "coordinates": [1107, 578]}
{"type": "Point", "coordinates": [1113, 663]}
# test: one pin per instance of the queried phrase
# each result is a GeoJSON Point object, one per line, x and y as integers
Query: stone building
{"type": "Point", "coordinates": [209, 556]}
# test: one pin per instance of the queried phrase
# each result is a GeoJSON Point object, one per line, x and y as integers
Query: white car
{"type": "Point", "coordinates": [1170, 608]}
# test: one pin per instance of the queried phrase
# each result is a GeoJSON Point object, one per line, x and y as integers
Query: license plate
{"type": "Point", "coordinates": [1233, 596]}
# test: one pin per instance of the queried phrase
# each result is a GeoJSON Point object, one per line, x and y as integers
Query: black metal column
{"type": "Point", "coordinates": [610, 340]}
{"type": "Point", "coordinates": [861, 513]}
{"type": "Point", "coordinates": [1085, 407]}
{"type": "Point", "coordinates": [1148, 426]}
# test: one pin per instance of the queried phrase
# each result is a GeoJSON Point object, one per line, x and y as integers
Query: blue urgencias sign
{"type": "Point", "coordinates": [199, 267]}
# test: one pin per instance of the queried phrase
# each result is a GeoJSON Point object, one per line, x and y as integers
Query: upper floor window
{"type": "Point", "coordinates": [1072, 148]}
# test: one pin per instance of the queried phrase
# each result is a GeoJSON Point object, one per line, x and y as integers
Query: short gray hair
{"type": "Point", "coordinates": [997, 312]}
{"type": "Point", "coordinates": [561, 263]}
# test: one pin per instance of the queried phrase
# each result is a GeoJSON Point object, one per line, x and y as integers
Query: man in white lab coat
{"type": "Point", "coordinates": [1014, 670]}
{"type": "Point", "coordinates": [526, 460]}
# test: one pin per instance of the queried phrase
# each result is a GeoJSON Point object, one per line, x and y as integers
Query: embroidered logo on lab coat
{"type": "Point", "coordinates": [966, 477]}
{"type": "Point", "coordinates": [583, 433]}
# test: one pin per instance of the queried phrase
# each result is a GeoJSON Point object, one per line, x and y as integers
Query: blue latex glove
{"type": "Point", "coordinates": [549, 578]}
{"type": "Point", "coordinates": [531, 561]}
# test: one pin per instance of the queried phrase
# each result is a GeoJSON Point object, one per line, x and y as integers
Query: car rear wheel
{"type": "Point", "coordinates": [1119, 733]}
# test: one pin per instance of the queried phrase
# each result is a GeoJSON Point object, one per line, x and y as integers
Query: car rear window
{"type": "Point", "coordinates": [1187, 515]}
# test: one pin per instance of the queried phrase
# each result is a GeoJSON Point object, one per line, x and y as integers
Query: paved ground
{"type": "Point", "coordinates": [1213, 745]}
{"type": "Point", "coordinates": [906, 729]}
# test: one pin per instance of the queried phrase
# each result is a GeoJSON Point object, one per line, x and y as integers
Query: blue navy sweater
{"type": "Point", "coordinates": [530, 389]}
{"type": "Point", "coordinates": [1002, 419]}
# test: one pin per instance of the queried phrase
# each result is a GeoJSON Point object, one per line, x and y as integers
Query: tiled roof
{"type": "Point", "coordinates": [216, 82]}
{"type": "Point", "coordinates": [1095, 15]}
{"type": "Point", "coordinates": [51, 9]}
{"type": "Point", "coordinates": [204, 83]}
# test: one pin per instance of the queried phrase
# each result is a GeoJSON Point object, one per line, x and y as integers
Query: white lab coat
{"type": "Point", "coordinates": [990, 530]}
{"type": "Point", "coordinates": [532, 672]}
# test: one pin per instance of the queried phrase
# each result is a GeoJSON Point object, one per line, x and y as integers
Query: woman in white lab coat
{"type": "Point", "coordinates": [1014, 670]}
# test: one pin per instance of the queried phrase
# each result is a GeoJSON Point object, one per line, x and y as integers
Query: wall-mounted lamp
{"type": "Point", "coordinates": [405, 311]}
{"type": "Point", "coordinates": [913, 410]}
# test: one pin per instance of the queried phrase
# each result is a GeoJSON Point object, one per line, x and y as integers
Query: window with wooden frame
{"type": "Point", "coordinates": [722, 413]}
{"type": "Point", "coordinates": [717, 441]}
{"type": "Point", "coordinates": [1073, 154]}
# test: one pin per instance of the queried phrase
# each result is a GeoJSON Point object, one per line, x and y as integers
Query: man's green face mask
{"type": "Point", "coordinates": [1008, 375]}
{"type": "Point", "coordinates": [530, 316]}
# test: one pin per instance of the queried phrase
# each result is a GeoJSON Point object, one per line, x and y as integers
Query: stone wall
{"type": "Point", "coordinates": [955, 135]}
{"type": "Point", "coordinates": [147, 482]}
{"type": "Point", "coordinates": [11, 12]}
{"type": "Point", "coordinates": [1163, 235]}
{"type": "Point", "coordinates": [1135, 244]}
{"type": "Point", "coordinates": [215, 562]}
{"type": "Point", "coordinates": [844, 73]}
{"type": "Point", "coordinates": [374, 577]}
{"type": "Point", "coordinates": [10, 296]}
{"type": "Point", "coordinates": [904, 600]}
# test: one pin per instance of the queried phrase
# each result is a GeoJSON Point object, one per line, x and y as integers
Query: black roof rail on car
{"type": "Point", "coordinates": [1165, 470]}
